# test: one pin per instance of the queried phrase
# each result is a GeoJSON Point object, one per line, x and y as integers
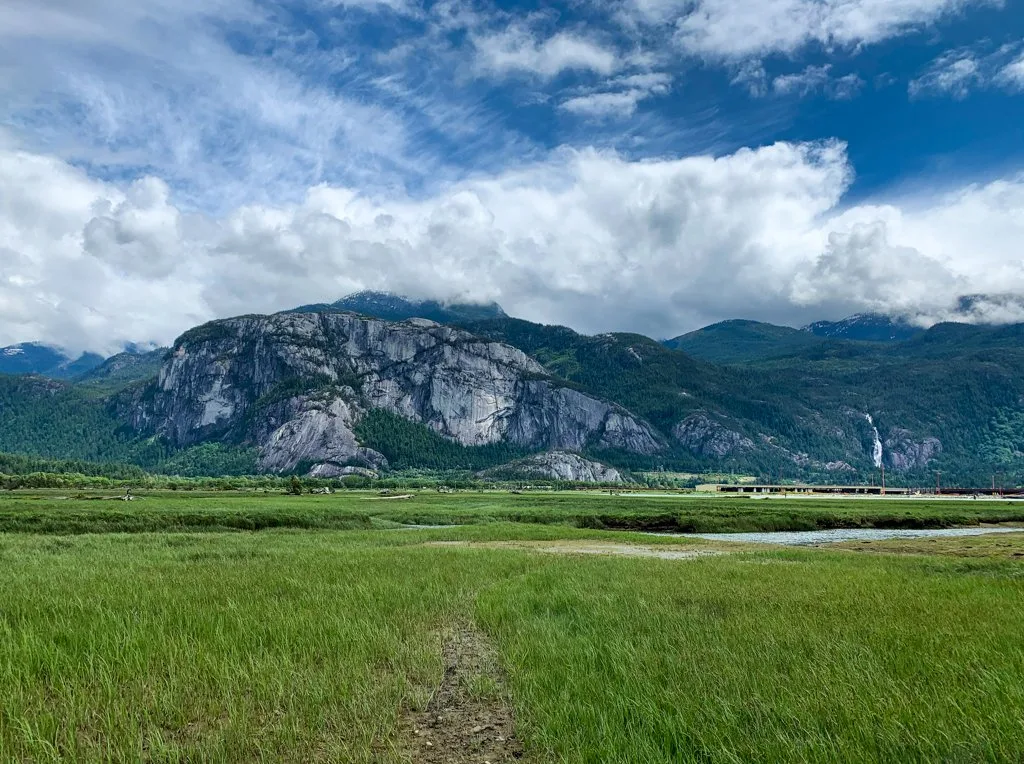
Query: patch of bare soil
{"type": "Point", "coordinates": [593, 547]}
{"type": "Point", "coordinates": [468, 717]}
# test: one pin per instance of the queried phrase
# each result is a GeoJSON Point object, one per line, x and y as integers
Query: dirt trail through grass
{"type": "Point", "coordinates": [469, 717]}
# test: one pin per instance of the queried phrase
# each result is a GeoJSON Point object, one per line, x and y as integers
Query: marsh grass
{"type": "Point", "coordinates": [305, 644]}
{"type": "Point", "coordinates": [223, 648]}
{"type": "Point", "coordinates": [789, 656]}
{"type": "Point", "coordinates": [1003, 545]}
{"type": "Point", "coordinates": [51, 512]}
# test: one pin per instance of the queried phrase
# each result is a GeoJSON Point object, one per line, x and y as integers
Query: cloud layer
{"type": "Point", "coordinates": [163, 162]}
{"type": "Point", "coordinates": [582, 237]}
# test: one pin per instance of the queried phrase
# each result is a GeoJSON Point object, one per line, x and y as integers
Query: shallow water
{"type": "Point", "coordinates": [803, 538]}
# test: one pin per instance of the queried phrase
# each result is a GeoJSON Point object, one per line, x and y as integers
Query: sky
{"type": "Point", "coordinates": [640, 165]}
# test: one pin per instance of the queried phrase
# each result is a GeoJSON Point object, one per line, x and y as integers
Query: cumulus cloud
{"type": "Point", "coordinates": [586, 238]}
{"type": "Point", "coordinates": [519, 49]}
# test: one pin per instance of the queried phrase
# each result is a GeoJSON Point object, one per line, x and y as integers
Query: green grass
{"type": "Point", "coordinates": [780, 657]}
{"type": "Point", "coordinates": [1000, 545]}
{"type": "Point", "coordinates": [305, 644]}
{"type": "Point", "coordinates": [55, 512]}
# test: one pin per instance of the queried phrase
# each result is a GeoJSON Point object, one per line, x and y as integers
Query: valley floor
{"type": "Point", "coordinates": [168, 629]}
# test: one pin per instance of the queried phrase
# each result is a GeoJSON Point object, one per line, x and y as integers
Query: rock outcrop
{"type": "Point", "coordinates": [296, 384]}
{"type": "Point", "coordinates": [558, 465]}
{"type": "Point", "coordinates": [319, 431]}
{"type": "Point", "coordinates": [903, 453]}
{"type": "Point", "coordinates": [703, 436]}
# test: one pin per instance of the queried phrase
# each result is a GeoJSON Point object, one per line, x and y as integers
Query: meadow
{"type": "Point", "coordinates": [269, 628]}
{"type": "Point", "coordinates": [73, 511]}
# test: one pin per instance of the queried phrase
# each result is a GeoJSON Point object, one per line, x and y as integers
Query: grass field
{"type": "Point", "coordinates": [90, 512]}
{"type": "Point", "coordinates": [320, 637]}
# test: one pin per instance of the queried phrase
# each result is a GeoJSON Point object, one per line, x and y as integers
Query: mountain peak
{"type": "Point", "coordinates": [45, 360]}
{"type": "Point", "coordinates": [393, 307]}
{"type": "Point", "coordinates": [869, 327]}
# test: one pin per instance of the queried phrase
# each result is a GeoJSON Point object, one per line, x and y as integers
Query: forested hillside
{"type": "Point", "coordinates": [776, 402]}
{"type": "Point", "coordinates": [942, 400]}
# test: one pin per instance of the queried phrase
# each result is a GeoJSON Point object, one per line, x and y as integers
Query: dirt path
{"type": "Point", "coordinates": [468, 718]}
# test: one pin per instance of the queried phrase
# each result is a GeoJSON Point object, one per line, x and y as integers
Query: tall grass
{"type": "Point", "coordinates": [220, 648]}
{"type": "Point", "coordinates": [291, 645]}
{"type": "Point", "coordinates": [50, 512]}
{"type": "Point", "coordinates": [803, 656]}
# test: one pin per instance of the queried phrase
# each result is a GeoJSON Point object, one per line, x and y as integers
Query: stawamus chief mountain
{"type": "Point", "coordinates": [333, 389]}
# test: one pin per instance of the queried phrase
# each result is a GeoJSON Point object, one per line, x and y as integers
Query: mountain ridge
{"type": "Point", "coordinates": [393, 307]}
{"type": "Point", "coordinates": [332, 391]}
{"type": "Point", "coordinates": [45, 360]}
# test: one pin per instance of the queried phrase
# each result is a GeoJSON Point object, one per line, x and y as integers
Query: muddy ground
{"type": "Point", "coordinates": [469, 717]}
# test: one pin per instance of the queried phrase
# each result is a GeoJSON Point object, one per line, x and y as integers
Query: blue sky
{"type": "Point", "coordinates": [647, 165]}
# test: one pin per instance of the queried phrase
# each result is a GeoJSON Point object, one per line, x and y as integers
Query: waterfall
{"type": "Point", "coordinates": [877, 452]}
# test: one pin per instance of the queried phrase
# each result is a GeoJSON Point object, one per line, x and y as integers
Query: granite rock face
{"type": "Point", "coordinates": [904, 453]}
{"type": "Point", "coordinates": [296, 384]}
{"type": "Point", "coordinates": [561, 465]}
{"type": "Point", "coordinates": [703, 436]}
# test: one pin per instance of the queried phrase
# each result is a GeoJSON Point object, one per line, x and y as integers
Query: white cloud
{"type": "Point", "coordinates": [957, 72]}
{"type": "Point", "coordinates": [585, 238]}
{"type": "Point", "coordinates": [519, 49]}
{"type": "Point", "coordinates": [398, 6]}
{"type": "Point", "coordinates": [920, 258]}
{"type": "Point", "coordinates": [1012, 75]}
{"type": "Point", "coordinates": [810, 79]}
{"type": "Point", "coordinates": [953, 74]}
{"type": "Point", "coordinates": [619, 97]}
{"type": "Point", "coordinates": [815, 79]}
{"type": "Point", "coordinates": [741, 29]}
{"type": "Point", "coordinates": [752, 76]}
{"type": "Point", "coordinates": [228, 101]}
{"type": "Point", "coordinates": [621, 104]}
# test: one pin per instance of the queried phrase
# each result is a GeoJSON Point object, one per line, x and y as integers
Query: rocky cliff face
{"type": "Point", "coordinates": [903, 453]}
{"type": "Point", "coordinates": [703, 436]}
{"type": "Point", "coordinates": [295, 384]}
{"type": "Point", "coordinates": [559, 465]}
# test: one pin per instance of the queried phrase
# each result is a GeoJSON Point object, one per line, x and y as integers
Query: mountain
{"type": "Point", "coordinates": [46, 361]}
{"type": "Point", "coordinates": [739, 341]}
{"type": "Point", "coordinates": [124, 369]}
{"type": "Point", "coordinates": [395, 308]}
{"type": "Point", "coordinates": [942, 400]}
{"type": "Point", "coordinates": [297, 385]}
{"type": "Point", "coordinates": [332, 392]}
{"type": "Point", "coordinates": [56, 419]}
{"type": "Point", "coordinates": [870, 327]}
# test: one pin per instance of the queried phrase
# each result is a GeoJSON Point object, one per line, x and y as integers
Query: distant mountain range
{"type": "Point", "coordinates": [733, 341]}
{"type": "Point", "coordinates": [324, 391]}
{"type": "Point", "coordinates": [35, 358]}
